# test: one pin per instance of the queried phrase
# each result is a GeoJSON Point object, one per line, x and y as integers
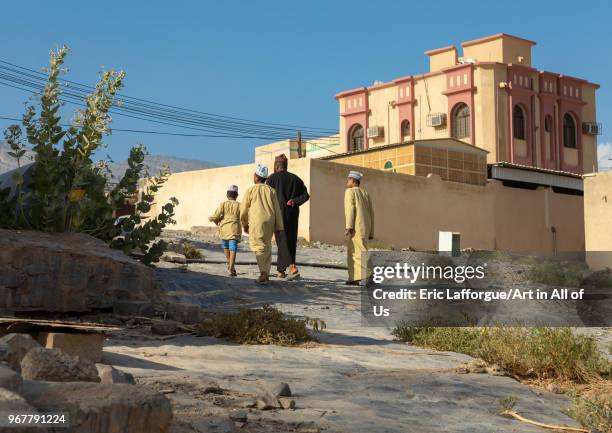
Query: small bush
{"type": "Point", "coordinates": [556, 274]}
{"type": "Point", "coordinates": [267, 325]}
{"type": "Point", "coordinates": [594, 409]}
{"type": "Point", "coordinates": [190, 251]}
{"type": "Point", "coordinates": [542, 353]}
{"type": "Point", "coordinates": [507, 403]}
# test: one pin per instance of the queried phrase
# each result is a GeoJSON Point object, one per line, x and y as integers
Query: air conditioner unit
{"type": "Point", "coordinates": [591, 128]}
{"type": "Point", "coordinates": [436, 119]}
{"type": "Point", "coordinates": [375, 132]}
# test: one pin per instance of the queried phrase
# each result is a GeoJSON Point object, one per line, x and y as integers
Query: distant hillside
{"type": "Point", "coordinates": [7, 162]}
{"type": "Point", "coordinates": [154, 162]}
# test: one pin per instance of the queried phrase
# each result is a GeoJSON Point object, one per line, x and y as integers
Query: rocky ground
{"type": "Point", "coordinates": [356, 379]}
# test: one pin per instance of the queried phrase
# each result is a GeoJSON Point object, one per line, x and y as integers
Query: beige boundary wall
{"type": "Point", "coordinates": [410, 210]}
{"type": "Point", "coordinates": [200, 192]}
{"type": "Point", "coordinates": [598, 219]}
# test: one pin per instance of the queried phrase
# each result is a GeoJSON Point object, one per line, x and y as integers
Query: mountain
{"type": "Point", "coordinates": [7, 162]}
{"type": "Point", "coordinates": [154, 162]}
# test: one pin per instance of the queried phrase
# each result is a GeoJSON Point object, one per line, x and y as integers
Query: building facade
{"type": "Point", "coordinates": [491, 97]}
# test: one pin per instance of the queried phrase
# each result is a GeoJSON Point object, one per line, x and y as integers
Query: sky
{"type": "Point", "coordinates": [283, 61]}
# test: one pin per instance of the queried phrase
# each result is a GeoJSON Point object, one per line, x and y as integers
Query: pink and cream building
{"type": "Point", "coordinates": [491, 97]}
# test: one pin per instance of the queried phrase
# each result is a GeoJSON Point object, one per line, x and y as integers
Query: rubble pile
{"type": "Point", "coordinates": [98, 398]}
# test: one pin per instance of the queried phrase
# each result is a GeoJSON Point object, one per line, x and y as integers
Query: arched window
{"type": "Point", "coordinates": [569, 131]}
{"type": "Point", "coordinates": [518, 122]}
{"type": "Point", "coordinates": [548, 123]}
{"type": "Point", "coordinates": [461, 121]}
{"type": "Point", "coordinates": [356, 138]}
{"type": "Point", "coordinates": [405, 130]}
{"type": "Point", "coordinates": [388, 165]}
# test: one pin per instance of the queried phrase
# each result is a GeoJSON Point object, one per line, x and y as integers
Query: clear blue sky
{"type": "Point", "coordinates": [283, 61]}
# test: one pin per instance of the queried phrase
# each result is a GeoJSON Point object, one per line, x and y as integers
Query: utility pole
{"type": "Point", "coordinates": [299, 140]}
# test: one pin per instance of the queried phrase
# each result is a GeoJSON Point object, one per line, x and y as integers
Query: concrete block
{"type": "Point", "coordinates": [102, 408]}
{"type": "Point", "coordinates": [84, 345]}
{"type": "Point", "coordinates": [9, 379]}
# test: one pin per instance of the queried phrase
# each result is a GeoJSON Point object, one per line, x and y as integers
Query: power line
{"type": "Point", "coordinates": [153, 109]}
{"type": "Point", "coordinates": [170, 120]}
{"type": "Point", "coordinates": [141, 131]}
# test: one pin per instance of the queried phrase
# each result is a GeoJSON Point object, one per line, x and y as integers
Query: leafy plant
{"type": "Point", "coordinates": [68, 192]}
{"type": "Point", "coordinates": [593, 409]}
{"type": "Point", "coordinates": [542, 353]}
{"type": "Point", "coordinates": [190, 251]}
{"type": "Point", "coordinates": [507, 403]}
{"type": "Point", "coordinates": [266, 325]}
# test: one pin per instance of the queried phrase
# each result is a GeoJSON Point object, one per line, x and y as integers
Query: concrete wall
{"type": "Point", "coordinates": [411, 210]}
{"type": "Point", "coordinates": [598, 219]}
{"type": "Point", "coordinates": [200, 192]}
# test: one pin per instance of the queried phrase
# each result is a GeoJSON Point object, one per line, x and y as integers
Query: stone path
{"type": "Point", "coordinates": [356, 380]}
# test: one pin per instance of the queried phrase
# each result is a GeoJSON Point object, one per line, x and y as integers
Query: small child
{"type": "Point", "coordinates": [227, 217]}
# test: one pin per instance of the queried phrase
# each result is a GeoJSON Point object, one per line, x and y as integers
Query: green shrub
{"type": "Point", "coordinates": [68, 192]}
{"type": "Point", "coordinates": [593, 409]}
{"type": "Point", "coordinates": [543, 353]}
{"type": "Point", "coordinates": [266, 325]}
{"type": "Point", "coordinates": [190, 251]}
{"type": "Point", "coordinates": [556, 274]}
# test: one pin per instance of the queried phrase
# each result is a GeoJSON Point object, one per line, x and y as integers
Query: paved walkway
{"type": "Point", "coordinates": [357, 380]}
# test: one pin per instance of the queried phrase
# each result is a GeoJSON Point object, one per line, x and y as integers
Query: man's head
{"type": "Point", "coordinates": [280, 163]}
{"type": "Point", "coordinates": [261, 174]}
{"type": "Point", "coordinates": [232, 192]}
{"type": "Point", "coordinates": [353, 179]}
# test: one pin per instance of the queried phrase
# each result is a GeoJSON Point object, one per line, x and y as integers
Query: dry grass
{"type": "Point", "coordinates": [540, 353]}
{"type": "Point", "coordinates": [266, 325]}
{"type": "Point", "coordinates": [592, 406]}
{"type": "Point", "coordinates": [557, 273]}
{"type": "Point", "coordinates": [534, 355]}
{"type": "Point", "coordinates": [190, 251]}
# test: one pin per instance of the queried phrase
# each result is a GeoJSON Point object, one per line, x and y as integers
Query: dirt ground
{"type": "Point", "coordinates": [356, 379]}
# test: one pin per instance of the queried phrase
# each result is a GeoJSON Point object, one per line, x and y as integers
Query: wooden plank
{"type": "Point", "coordinates": [82, 326]}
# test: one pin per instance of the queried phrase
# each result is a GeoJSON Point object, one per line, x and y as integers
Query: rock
{"type": "Point", "coordinates": [204, 231]}
{"type": "Point", "coordinates": [103, 408]}
{"type": "Point", "coordinates": [267, 402]}
{"type": "Point", "coordinates": [172, 257]}
{"type": "Point", "coordinates": [287, 403]}
{"type": "Point", "coordinates": [238, 415]}
{"type": "Point", "coordinates": [214, 425]}
{"type": "Point", "coordinates": [495, 370]}
{"type": "Point", "coordinates": [86, 345]}
{"type": "Point", "coordinates": [280, 389]}
{"type": "Point", "coordinates": [554, 388]}
{"type": "Point", "coordinates": [477, 366]}
{"type": "Point", "coordinates": [175, 247]}
{"type": "Point", "coordinates": [184, 312]}
{"type": "Point", "coordinates": [109, 374]}
{"type": "Point", "coordinates": [13, 347]}
{"type": "Point", "coordinates": [68, 272]}
{"type": "Point", "coordinates": [56, 366]}
{"type": "Point", "coordinates": [165, 328]}
{"type": "Point", "coordinates": [133, 308]}
{"type": "Point", "coordinates": [12, 403]}
{"type": "Point", "coordinates": [9, 379]}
